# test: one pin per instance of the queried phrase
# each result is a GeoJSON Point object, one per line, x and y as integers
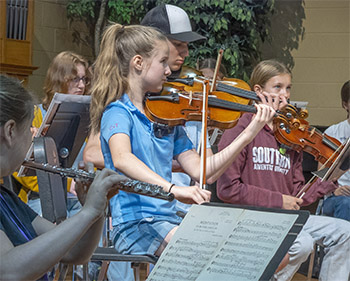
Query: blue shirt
{"type": "Point", "coordinates": [157, 153]}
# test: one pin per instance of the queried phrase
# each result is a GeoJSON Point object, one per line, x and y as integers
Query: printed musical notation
{"type": "Point", "coordinates": [218, 243]}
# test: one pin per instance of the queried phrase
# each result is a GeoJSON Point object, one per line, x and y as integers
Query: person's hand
{"type": "Point", "coordinates": [191, 194]}
{"type": "Point", "coordinates": [342, 191]}
{"type": "Point", "coordinates": [276, 101]}
{"type": "Point", "coordinates": [283, 263]}
{"type": "Point", "coordinates": [33, 130]}
{"type": "Point", "coordinates": [81, 186]}
{"type": "Point", "coordinates": [291, 202]}
{"type": "Point", "coordinates": [95, 195]}
{"type": "Point", "coordinates": [263, 115]}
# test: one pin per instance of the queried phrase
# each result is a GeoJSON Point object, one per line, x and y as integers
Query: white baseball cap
{"type": "Point", "coordinates": [173, 22]}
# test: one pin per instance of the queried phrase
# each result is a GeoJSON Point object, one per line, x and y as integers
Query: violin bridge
{"type": "Point", "coordinates": [312, 131]}
{"type": "Point", "coordinates": [190, 98]}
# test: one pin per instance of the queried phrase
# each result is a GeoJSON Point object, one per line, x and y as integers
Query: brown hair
{"type": "Point", "coordinates": [62, 69]}
{"type": "Point", "coordinates": [118, 46]}
{"type": "Point", "coordinates": [345, 92]}
{"type": "Point", "coordinates": [265, 70]}
{"type": "Point", "coordinates": [16, 103]}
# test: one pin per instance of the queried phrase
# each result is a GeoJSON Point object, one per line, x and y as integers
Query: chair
{"type": "Point", "coordinates": [53, 201]}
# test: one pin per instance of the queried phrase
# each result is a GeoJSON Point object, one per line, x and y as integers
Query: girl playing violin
{"type": "Point", "coordinates": [29, 244]}
{"type": "Point", "coordinates": [265, 175]}
{"type": "Point", "coordinates": [132, 62]}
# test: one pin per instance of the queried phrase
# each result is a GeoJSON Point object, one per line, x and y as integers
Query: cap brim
{"type": "Point", "coordinates": [188, 36]}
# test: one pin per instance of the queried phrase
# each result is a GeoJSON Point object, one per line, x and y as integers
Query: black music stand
{"type": "Point", "coordinates": [68, 123]}
{"type": "Point", "coordinates": [58, 142]}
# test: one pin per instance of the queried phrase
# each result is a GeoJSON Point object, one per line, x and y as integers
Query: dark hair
{"type": "Point", "coordinates": [16, 103]}
{"type": "Point", "coordinates": [345, 92]}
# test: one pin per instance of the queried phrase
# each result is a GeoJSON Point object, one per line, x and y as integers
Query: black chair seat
{"type": "Point", "coordinates": [110, 254]}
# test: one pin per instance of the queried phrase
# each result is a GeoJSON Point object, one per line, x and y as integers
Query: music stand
{"type": "Point", "coordinates": [67, 122]}
{"type": "Point", "coordinates": [58, 142]}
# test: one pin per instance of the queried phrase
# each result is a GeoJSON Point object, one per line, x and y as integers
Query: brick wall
{"type": "Point", "coordinates": [52, 35]}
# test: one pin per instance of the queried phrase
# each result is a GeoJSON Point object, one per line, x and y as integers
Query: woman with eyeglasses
{"type": "Point", "coordinates": [68, 73]}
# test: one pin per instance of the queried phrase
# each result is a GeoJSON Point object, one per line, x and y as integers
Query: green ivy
{"type": "Point", "coordinates": [237, 26]}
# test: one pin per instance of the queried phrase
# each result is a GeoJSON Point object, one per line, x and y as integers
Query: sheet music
{"type": "Point", "coordinates": [220, 243]}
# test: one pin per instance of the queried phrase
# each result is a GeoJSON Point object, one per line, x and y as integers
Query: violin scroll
{"type": "Point", "coordinates": [292, 130]}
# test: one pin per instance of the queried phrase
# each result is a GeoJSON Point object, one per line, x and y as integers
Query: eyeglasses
{"type": "Point", "coordinates": [86, 80]}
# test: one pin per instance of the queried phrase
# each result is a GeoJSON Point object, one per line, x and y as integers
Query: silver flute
{"type": "Point", "coordinates": [133, 186]}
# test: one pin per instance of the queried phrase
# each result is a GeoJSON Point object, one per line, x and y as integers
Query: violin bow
{"type": "Point", "coordinates": [308, 185]}
{"type": "Point", "coordinates": [203, 176]}
{"type": "Point", "coordinates": [203, 143]}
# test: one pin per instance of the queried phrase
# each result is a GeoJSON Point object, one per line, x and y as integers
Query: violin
{"type": "Point", "coordinates": [192, 80]}
{"type": "Point", "coordinates": [179, 106]}
{"type": "Point", "coordinates": [292, 130]}
{"type": "Point", "coordinates": [181, 101]}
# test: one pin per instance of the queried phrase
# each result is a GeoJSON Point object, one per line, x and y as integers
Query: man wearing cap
{"type": "Point", "coordinates": [175, 24]}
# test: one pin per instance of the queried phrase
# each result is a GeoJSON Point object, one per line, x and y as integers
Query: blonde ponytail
{"type": "Point", "coordinates": [118, 46]}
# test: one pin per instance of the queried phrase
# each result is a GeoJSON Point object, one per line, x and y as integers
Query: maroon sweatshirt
{"type": "Point", "coordinates": [261, 174]}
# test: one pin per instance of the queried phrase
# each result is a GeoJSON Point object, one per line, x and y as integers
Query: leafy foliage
{"type": "Point", "coordinates": [237, 26]}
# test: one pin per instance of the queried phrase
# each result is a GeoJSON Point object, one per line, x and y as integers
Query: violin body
{"type": "Point", "coordinates": [175, 106]}
{"type": "Point", "coordinates": [181, 101]}
{"type": "Point", "coordinates": [293, 131]}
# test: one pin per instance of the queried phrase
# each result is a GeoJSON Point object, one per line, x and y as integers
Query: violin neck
{"type": "Point", "coordinates": [229, 105]}
{"type": "Point", "coordinates": [237, 91]}
{"type": "Point", "coordinates": [220, 87]}
{"type": "Point", "coordinates": [186, 81]}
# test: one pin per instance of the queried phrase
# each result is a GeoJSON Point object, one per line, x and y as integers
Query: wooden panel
{"type": "Point", "coordinates": [1, 50]}
{"type": "Point", "coordinates": [16, 55]}
{"type": "Point", "coordinates": [2, 19]}
{"type": "Point", "coordinates": [18, 52]}
{"type": "Point", "coordinates": [19, 71]}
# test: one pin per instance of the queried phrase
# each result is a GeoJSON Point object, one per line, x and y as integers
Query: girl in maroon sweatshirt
{"type": "Point", "coordinates": [268, 176]}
